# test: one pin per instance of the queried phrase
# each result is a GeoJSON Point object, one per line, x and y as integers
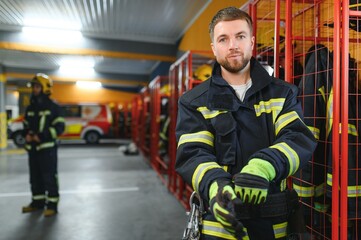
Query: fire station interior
{"type": "Point", "coordinates": [118, 69]}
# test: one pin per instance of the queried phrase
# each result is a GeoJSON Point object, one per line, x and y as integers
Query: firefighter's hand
{"type": "Point", "coordinates": [36, 138]}
{"type": "Point", "coordinates": [28, 138]}
{"type": "Point", "coordinates": [252, 183]}
{"type": "Point", "coordinates": [223, 202]}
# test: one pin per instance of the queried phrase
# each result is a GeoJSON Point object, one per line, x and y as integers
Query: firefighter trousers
{"type": "Point", "coordinates": [44, 176]}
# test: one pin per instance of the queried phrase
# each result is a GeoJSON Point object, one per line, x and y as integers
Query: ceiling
{"type": "Point", "coordinates": [125, 41]}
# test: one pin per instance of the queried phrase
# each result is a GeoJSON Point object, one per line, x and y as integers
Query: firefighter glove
{"type": "Point", "coordinates": [223, 203]}
{"type": "Point", "coordinates": [252, 183]}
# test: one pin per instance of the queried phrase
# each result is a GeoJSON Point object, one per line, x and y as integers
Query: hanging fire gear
{"type": "Point", "coordinates": [316, 88]}
{"type": "Point", "coordinates": [218, 135]}
{"type": "Point", "coordinates": [43, 119]}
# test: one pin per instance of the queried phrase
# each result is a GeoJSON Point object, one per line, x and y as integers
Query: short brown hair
{"type": "Point", "coordinates": [229, 14]}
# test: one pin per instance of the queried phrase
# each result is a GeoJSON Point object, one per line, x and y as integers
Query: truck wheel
{"type": "Point", "coordinates": [92, 137]}
{"type": "Point", "coordinates": [18, 139]}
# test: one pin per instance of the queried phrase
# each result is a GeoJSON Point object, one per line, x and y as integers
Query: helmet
{"type": "Point", "coordinates": [165, 90]}
{"type": "Point", "coordinates": [203, 72]}
{"type": "Point", "coordinates": [45, 82]}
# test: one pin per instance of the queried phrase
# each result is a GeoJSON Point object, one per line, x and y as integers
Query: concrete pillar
{"type": "Point", "coordinates": [3, 117]}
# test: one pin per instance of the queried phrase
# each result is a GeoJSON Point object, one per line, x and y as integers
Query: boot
{"type": "Point", "coordinates": [33, 206]}
{"type": "Point", "coordinates": [49, 212]}
{"type": "Point", "coordinates": [51, 209]}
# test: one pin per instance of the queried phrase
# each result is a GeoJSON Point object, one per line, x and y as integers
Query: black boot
{"type": "Point", "coordinates": [35, 205]}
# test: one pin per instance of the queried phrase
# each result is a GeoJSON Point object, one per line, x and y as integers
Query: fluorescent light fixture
{"type": "Point", "coordinates": [51, 35]}
{"type": "Point", "coordinates": [89, 84]}
{"type": "Point", "coordinates": [77, 67]}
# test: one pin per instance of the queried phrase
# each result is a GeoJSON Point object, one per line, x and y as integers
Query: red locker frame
{"type": "Point", "coordinates": [181, 79]}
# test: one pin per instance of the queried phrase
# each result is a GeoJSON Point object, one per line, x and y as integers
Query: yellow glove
{"type": "Point", "coordinates": [252, 183]}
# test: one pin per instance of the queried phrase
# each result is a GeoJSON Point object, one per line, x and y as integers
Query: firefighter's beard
{"type": "Point", "coordinates": [235, 66]}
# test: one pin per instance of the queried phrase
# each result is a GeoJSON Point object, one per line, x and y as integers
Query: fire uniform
{"type": "Point", "coordinates": [43, 118]}
{"type": "Point", "coordinates": [218, 134]}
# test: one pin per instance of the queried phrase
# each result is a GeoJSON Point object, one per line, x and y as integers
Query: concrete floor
{"type": "Point", "coordinates": [104, 195]}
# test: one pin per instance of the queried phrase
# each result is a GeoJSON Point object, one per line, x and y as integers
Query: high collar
{"type": "Point", "coordinates": [221, 95]}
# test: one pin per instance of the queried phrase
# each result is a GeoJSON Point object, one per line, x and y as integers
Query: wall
{"type": "Point", "coordinates": [70, 93]}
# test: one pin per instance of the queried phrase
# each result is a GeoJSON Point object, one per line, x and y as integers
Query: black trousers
{"type": "Point", "coordinates": [43, 166]}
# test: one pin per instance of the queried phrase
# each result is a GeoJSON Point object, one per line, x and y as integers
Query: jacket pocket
{"type": "Point", "coordinates": [225, 138]}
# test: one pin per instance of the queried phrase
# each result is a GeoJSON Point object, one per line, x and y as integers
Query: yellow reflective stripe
{"type": "Point", "coordinates": [352, 191]}
{"type": "Point", "coordinates": [200, 171]}
{"type": "Point", "coordinates": [322, 91]}
{"type": "Point", "coordinates": [273, 106]}
{"type": "Point", "coordinates": [53, 132]}
{"type": "Point", "coordinates": [217, 230]}
{"type": "Point", "coordinates": [202, 136]}
{"type": "Point", "coordinates": [53, 199]}
{"type": "Point", "coordinates": [315, 131]}
{"type": "Point", "coordinates": [280, 230]}
{"type": "Point", "coordinates": [329, 179]}
{"type": "Point", "coordinates": [329, 114]}
{"type": "Point", "coordinates": [283, 185]}
{"type": "Point", "coordinates": [351, 129]}
{"type": "Point", "coordinates": [58, 119]}
{"type": "Point", "coordinates": [304, 191]}
{"type": "Point", "coordinates": [209, 113]}
{"type": "Point", "coordinates": [291, 155]}
{"type": "Point", "coordinates": [38, 197]}
{"type": "Point", "coordinates": [31, 113]}
{"type": "Point", "coordinates": [284, 120]}
{"type": "Point", "coordinates": [45, 145]}
{"type": "Point", "coordinates": [43, 113]}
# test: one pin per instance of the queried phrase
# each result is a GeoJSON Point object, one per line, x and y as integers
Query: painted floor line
{"type": "Point", "coordinates": [82, 191]}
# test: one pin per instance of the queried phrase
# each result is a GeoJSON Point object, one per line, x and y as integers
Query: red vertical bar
{"type": "Point", "coordinates": [336, 123]}
{"type": "Point", "coordinates": [288, 42]}
{"type": "Point", "coordinates": [344, 120]}
{"type": "Point", "coordinates": [253, 13]}
{"type": "Point", "coordinates": [276, 37]}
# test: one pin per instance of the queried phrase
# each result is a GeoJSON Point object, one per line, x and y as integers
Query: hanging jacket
{"type": "Point", "coordinates": [218, 134]}
{"type": "Point", "coordinates": [315, 90]}
{"type": "Point", "coordinates": [316, 96]}
{"type": "Point", "coordinates": [44, 118]}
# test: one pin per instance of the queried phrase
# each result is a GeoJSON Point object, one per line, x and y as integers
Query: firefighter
{"type": "Point", "coordinates": [240, 134]}
{"type": "Point", "coordinates": [42, 125]}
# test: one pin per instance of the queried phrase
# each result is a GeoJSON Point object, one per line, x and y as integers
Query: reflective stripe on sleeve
{"type": "Point", "coordinates": [45, 145]}
{"type": "Point", "coordinates": [292, 156]}
{"type": "Point", "coordinates": [352, 191]}
{"type": "Point", "coordinates": [284, 120]}
{"type": "Point", "coordinates": [315, 131]}
{"type": "Point", "coordinates": [57, 120]}
{"type": "Point", "coordinates": [202, 136]}
{"type": "Point", "coordinates": [53, 132]}
{"type": "Point", "coordinates": [209, 113]}
{"type": "Point", "coordinates": [200, 171]}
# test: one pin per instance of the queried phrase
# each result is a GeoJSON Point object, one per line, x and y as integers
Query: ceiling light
{"type": "Point", "coordinates": [89, 84]}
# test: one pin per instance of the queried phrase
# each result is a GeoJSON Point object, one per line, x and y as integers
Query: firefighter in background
{"type": "Point", "coordinates": [203, 72]}
{"type": "Point", "coordinates": [164, 120]}
{"type": "Point", "coordinates": [42, 125]}
{"type": "Point", "coordinates": [240, 134]}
